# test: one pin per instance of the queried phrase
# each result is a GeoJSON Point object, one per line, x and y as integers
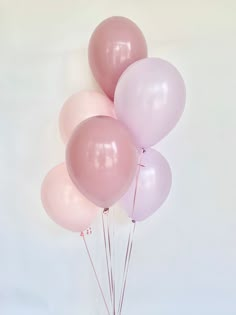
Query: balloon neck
{"type": "Point", "coordinates": [106, 210]}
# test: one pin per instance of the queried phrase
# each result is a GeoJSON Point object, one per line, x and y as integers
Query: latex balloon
{"type": "Point", "coordinates": [150, 99]}
{"type": "Point", "coordinates": [101, 159]}
{"type": "Point", "coordinates": [115, 44]}
{"type": "Point", "coordinates": [81, 106]}
{"type": "Point", "coordinates": [153, 186]}
{"type": "Point", "coordinates": [64, 204]}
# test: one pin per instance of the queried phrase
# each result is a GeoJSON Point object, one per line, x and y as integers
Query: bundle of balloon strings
{"type": "Point", "coordinates": [108, 139]}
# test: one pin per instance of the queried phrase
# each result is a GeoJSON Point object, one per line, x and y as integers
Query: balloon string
{"type": "Point", "coordinates": [112, 269]}
{"type": "Point", "coordinates": [136, 182]}
{"type": "Point", "coordinates": [105, 233]}
{"type": "Point", "coordinates": [130, 239]}
{"type": "Point", "coordinates": [95, 273]}
{"type": "Point", "coordinates": [128, 258]}
{"type": "Point", "coordinates": [124, 272]}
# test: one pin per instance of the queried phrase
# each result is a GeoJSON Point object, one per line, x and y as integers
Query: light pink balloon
{"type": "Point", "coordinates": [115, 44]}
{"type": "Point", "coordinates": [64, 204]}
{"type": "Point", "coordinates": [101, 159]}
{"type": "Point", "coordinates": [150, 99]}
{"type": "Point", "coordinates": [81, 106]}
{"type": "Point", "coordinates": [153, 186]}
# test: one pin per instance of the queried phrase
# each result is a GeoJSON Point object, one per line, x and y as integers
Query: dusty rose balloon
{"type": "Point", "coordinates": [64, 203]}
{"type": "Point", "coordinates": [150, 99]}
{"type": "Point", "coordinates": [81, 106]}
{"type": "Point", "coordinates": [101, 159]}
{"type": "Point", "coordinates": [115, 44]}
{"type": "Point", "coordinates": [153, 186]}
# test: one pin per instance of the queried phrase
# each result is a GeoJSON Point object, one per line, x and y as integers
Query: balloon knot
{"type": "Point", "coordinates": [106, 210]}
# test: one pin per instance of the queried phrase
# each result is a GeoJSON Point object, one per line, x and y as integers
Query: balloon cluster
{"type": "Point", "coordinates": [108, 136]}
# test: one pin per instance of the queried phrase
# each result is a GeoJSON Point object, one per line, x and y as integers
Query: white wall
{"type": "Point", "coordinates": [185, 256]}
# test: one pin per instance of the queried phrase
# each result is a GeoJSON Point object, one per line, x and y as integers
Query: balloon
{"type": "Point", "coordinates": [64, 203]}
{"type": "Point", "coordinates": [81, 106]}
{"type": "Point", "coordinates": [101, 159]}
{"type": "Point", "coordinates": [115, 44]}
{"type": "Point", "coordinates": [149, 99]}
{"type": "Point", "coordinates": [153, 186]}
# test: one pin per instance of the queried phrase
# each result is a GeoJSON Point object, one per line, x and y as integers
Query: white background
{"type": "Point", "coordinates": [185, 255]}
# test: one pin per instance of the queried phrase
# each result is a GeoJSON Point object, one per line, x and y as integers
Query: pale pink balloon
{"type": "Point", "coordinates": [115, 44]}
{"type": "Point", "coordinates": [64, 204]}
{"type": "Point", "coordinates": [101, 159]}
{"type": "Point", "coordinates": [81, 106]}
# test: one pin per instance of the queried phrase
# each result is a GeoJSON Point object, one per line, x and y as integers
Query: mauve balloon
{"type": "Point", "coordinates": [115, 44]}
{"type": "Point", "coordinates": [153, 186]}
{"type": "Point", "coordinates": [150, 99]}
{"type": "Point", "coordinates": [102, 159]}
{"type": "Point", "coordinates": [64, 204]}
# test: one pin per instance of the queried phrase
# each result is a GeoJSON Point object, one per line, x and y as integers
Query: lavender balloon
{"type": "Point", "coordinates": [149, 99]}
{"type": "Point", "coordinates": [153, 186]}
